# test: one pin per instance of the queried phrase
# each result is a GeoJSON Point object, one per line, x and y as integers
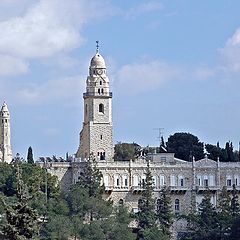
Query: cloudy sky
{"type": "Point", "coordinates": [172, 65]}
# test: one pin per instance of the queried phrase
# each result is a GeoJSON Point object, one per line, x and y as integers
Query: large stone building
{"type": "Point", "coordinates": [5, 135]}
{"type": "Point", "coordinates": [124, 180]}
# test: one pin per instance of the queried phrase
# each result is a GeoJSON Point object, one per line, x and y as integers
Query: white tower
{"type": "Point", "coordinates": [96, 136]}
{"type": "Point", "coordinates": [5, 135]}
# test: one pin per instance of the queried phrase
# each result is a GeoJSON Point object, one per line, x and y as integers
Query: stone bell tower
{"type": "Point", "coordinates": [96, 137]}
{"type": "Point", "coordinates": [5, 137]}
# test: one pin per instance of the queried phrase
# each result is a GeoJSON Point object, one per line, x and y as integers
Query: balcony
{"type": "Point", "coordinates": [137, 189]}
{"type": "Point", "coordinates": [96, 94]}
{"type": "Point", "coordinates": [178, 189]}
{"type": "Point", "coordinates": [201, 189]}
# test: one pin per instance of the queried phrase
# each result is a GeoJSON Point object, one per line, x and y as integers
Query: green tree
{"type": "Point", "coordinates": [216, 152]}
{"type": "Point", "coordinates": [30, 155]}
{"type": "Point", "coordinates": [146, 216]}
{"type": "Point", "coordinates": [126, 151]}
{"type": "Point", "coordinates": [58, 227]}
{"type": "Point", "coordinates": [7, 179]}
{"type": "Point", "coordinates": [234, 207]}
{"type": "Point", "coordinates": [164, 212]}
{"type": "Point", "coordinates": [204, 224]}
{"type": "Point", "coordinates": [185, 144]}
{"type": "Point", "coordinates": [224, 216]}
{"type": "Point", "coordinates": [120, 229]}
{"type": "Point", "coordinates": [235, 230]}
{"type": "Point", "coordinates": [21, 219]}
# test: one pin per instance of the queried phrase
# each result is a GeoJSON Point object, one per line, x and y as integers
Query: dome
{"type": "Point", "coordinates": [97, 61]}
{"type": "Point", "coordinates": [4, 107]}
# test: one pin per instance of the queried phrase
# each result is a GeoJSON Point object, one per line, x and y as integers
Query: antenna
{"type": "Point", "coordinates": [160, 134]}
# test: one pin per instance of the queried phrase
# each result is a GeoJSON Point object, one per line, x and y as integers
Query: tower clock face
{"type": "Point", "coordinates": [100, 71]}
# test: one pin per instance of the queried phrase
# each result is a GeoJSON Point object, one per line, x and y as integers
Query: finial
{"type": "Point", "coordinates": [97, 46]}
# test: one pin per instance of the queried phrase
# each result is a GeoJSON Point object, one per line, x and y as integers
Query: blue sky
{"type": "Point", "coordinates": [172, 65]}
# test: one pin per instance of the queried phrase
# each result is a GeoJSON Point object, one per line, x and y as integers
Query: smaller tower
{"type": "Point", "coordinates": [5, 135]}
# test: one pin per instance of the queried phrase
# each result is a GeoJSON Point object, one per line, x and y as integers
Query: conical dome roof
{"type": "Point", "coordinates": [97, 61]}
{"type": "Point", "coordinates": [4, 107]}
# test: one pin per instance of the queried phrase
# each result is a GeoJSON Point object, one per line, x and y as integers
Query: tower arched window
{"type": "Point", "coordinates": [101, 108]}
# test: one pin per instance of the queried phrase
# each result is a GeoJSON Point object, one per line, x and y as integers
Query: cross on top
{"type": "Point", "coordinates": [97, 46]}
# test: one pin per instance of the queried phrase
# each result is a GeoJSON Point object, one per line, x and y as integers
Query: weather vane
{"type": "Point", "coordinates": [97, 45]}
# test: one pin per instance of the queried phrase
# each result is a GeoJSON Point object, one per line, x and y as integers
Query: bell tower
{"type": "Point", "coordinates": [96, 137]}
{"type": "Point", "coordinates": [5, 137]}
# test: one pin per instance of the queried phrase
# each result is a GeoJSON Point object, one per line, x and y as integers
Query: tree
{"type": "Point", "coordinates": [21, 219]}
{"type": "Point", "coordinates": [234, 207]}
{"type": "Point", "coordinates": [164, 212]}
{"type": "Point", "coordinates": [224, 216]}
{"type": "Point", "coordinates": [235, 230]}
{"type": "Point", "coordinates": [30, 155]}
{"type": "Point", "coordinates": [126, 151]}
{"type": "Point", "coordinates": [120, 229]}
{"type": "Point", "coordinates": [205, 222]}
{"type": "Point", "coordinates": [216, 152]}
{"type": "Point", "coordinates": [7, 179]}
{"type": "Point", "coordinates": [185, 144]}
{"type": "Point", "coordinates": [146, 216]}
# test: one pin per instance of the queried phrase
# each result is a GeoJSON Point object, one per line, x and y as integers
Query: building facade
{"type": "Point", "coordinates": [124, 180]}
{"type": "Point", "coordinates": [5, 135]}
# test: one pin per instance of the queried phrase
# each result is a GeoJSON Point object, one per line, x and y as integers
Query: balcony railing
{"type": "Point", "coordinates": [96, 94]}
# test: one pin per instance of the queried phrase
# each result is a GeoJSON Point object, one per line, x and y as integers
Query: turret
{"type": "Point", "coordinates": [5, 135]}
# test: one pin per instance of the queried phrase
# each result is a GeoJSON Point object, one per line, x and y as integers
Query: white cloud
{"type": "Point", "coordinates": [231, 53]}
{"type": "Point", "coordinates": [48, 27]}
{"type": "Point", "coordinates": [143, 8]}
{"type": "Point", "coordinates": [144, 76]}
{"type": "Point", "coordinates": [12, 65]}
{"type": "Point", "coordinates": [59, 90]}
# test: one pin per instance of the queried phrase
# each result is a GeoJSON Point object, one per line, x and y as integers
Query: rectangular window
{"type": "Point", "coordinates": [126, 182]}
{"type": "Point", "coordinates": [118, 182]}
{"type": "Point", "coordinates": [101, 136]}
{"type": "Point", "coordinates": [236, 181]}
{"type": "Point", "coordinates": [229, 182]}
{"type": "Point", "coordinates": [181, 182]}
{"type": "Point", "coordinates": [162, 181]}
{"type": "Point", "coordinates": [205, 182]}
{"type": "Point", "coordinates": [199, 181]}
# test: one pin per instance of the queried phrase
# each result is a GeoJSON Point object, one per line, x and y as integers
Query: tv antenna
{"type": "Point", "coordinates": [160, 134]}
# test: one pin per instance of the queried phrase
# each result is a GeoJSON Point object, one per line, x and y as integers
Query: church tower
{"type": "Point", "coordinates": [96, 137]}
{"type": "Point", "coordinates": [5, 137]}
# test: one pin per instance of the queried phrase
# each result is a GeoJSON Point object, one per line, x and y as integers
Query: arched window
{"type": "Point", "coordinates": [100, 82]}
{"type": "Point", "coordinates": [120, 201]}
{"type": "Point", "coordinates": [99, 91]}
{"type": "Point", "coordinates": [101, 108]}
{"type": "Point", "coordinates": [86, 109]}
{"type": "Point", "coordinates": [102, 90]}
{"type": "Point", "coordinates": [177, 205]}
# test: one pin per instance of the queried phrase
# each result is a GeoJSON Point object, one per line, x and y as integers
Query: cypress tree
{"type": "Point", "coordinates": [30, 155]}
{"type": "Point", "coordinates": [234, 207]}
{"type": "Point", "coordinates": [164, 212]}
{"type": "Point", "coordinates": [146, 216]}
